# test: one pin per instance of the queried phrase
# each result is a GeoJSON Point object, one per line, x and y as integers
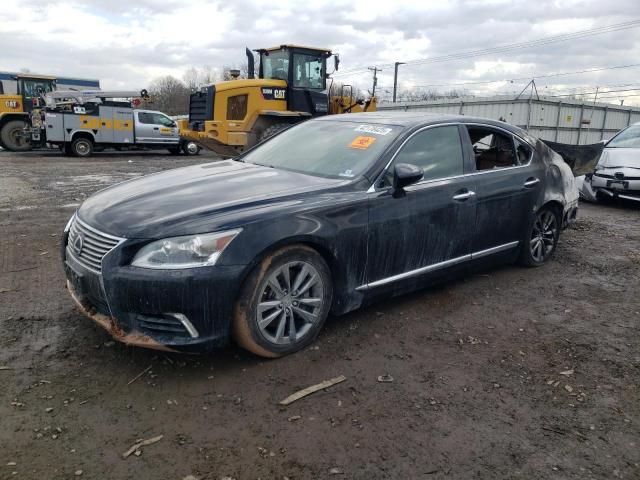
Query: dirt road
{"type": "Point", "coordinates": [513, 373]}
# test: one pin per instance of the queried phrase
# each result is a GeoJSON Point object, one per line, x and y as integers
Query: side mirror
{"type": "Point", "coordinates": [405, 174]}
{"type": "Point", "coordinates": [336, 62]}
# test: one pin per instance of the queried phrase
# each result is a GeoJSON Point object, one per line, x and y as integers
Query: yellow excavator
{"type": "Point", "coordinates": [291, 86]}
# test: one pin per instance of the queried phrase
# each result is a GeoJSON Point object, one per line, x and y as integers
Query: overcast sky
{"type": "Point", "coordinates": [128, 43]}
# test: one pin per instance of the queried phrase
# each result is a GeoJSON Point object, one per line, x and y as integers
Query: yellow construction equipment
{"type": "Point", "coordinates": [291, 86]}
{"type": "Point", "coordinates": [20, 102]}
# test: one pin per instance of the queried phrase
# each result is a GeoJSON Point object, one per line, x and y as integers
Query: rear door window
{"type": "Point", "coordinates": [494, 149]}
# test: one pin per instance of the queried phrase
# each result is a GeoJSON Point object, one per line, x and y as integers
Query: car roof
{"type": "Point", "coordinates": [413, 119]}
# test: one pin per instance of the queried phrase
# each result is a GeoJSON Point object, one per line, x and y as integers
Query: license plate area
{"type": "Point", "coordinates": [76, 279]}
{"type": "Point", "coordinates": [618, 184]}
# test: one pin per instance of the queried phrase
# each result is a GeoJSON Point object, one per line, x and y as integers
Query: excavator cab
{"type": "Point", "coordinates": [305, 71]}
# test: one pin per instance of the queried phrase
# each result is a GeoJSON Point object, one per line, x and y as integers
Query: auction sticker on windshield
{"type": "Point", "coordinates": [362, 143]}
{"type": "Point", "coordinates": [375, 129]}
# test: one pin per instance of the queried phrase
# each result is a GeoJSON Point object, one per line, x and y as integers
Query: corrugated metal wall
{"type": "Point", "coordinates": [564, 121]}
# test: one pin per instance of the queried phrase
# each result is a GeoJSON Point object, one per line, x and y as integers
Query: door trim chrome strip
{"type": "Point", "coordinates": [492, 250]}
{"type": "Point", "coordinates": [438, 266]}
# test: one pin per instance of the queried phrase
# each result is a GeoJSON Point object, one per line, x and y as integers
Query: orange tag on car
{"type": "Point", "coordinates": [362, 143]}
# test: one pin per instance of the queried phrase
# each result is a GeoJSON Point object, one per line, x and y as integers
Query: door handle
{"type": "Point", "coordinates": [464, 195]}
{"type": "Point", "coordinates": [155, 128]}
{"type": "Point", "coordinates": [531, 182]}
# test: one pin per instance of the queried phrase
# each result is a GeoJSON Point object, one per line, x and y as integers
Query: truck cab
{"type": "Point", "coordinates": [18, 97]}
{"type": "Point", "coordinates": [152, 127]}
{"type": "Point", "coordinates": [305, 71]}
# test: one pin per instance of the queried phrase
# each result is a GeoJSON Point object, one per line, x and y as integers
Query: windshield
{"type": "Point", "coordinates": [275, 64]}
{"type": "Point", "coordinates": [628, 138]}
{"type": "Point", "coordinates": [325, 148]}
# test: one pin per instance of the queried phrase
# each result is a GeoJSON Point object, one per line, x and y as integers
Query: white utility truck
{"type": "Point", "coordinates": [82, 122]}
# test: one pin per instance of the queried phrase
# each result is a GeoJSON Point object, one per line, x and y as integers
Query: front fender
{"type": "Point", "coordinates": [337, 232]}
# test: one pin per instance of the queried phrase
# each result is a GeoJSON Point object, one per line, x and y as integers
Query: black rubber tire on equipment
{"type": "Point", "coordinates": [7, 134]}
{"type": "Point", "coordinates": [190, 148]}
{"type": "Point", "coordinates": [526, 258]}
{"type": "Point", "coordinates": [272, 130]}
{"type": "Point", "coordinates": [245, 330]}
{"type": "Point", "coordinates": [81, 147]}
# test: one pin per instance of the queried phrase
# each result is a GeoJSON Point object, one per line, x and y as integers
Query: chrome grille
{"type": "Point", "coordinates": [89, 246]}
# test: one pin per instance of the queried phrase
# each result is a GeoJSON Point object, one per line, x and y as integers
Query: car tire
{"type": "Point", "coordinates": [11, 139]}
{"type": "Point", "coordinates": [190, 148]}
{"type": "Point", "coordinates": [263, 316]}
{"type": "Point", "coordinates": [541, 237]}
{"type": "Point", "coordinates": [81, 147]}
{"type": "Point", "coordinates": [272, 130]}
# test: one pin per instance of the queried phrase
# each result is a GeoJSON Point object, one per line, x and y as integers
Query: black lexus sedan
{"type": "Point", "coordinates": [322, 218]}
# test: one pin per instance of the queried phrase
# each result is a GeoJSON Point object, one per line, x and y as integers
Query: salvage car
{"type": "Point", "coordinates": [322, 218]}
{"type": "Point", "coordinates": [617, 174]}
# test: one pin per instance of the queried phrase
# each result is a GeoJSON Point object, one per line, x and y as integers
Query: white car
{"type": "Point", "coordinates": [617, 174]}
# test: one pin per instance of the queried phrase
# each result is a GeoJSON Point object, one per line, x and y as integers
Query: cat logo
{"type": "Point", "coordinates": [12, 104]}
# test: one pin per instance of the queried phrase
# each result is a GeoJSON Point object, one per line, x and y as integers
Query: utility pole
{"type": "Point", "coordinates": [375, 71]}
{"type": "Point", "coordinates": [395, 79]}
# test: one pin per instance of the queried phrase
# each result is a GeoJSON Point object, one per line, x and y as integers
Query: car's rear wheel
{"type": "Point", "coordinates": [81, 147]}
{"type": "Point", "coordinates": [190, 148]}
{"type": "Point", "coordinates": [542, 238]}
{"type": "Point", "coordinates": [284, 302]}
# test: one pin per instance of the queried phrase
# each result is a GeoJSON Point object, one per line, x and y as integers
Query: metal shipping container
{"type": "Point", "coordinates": [573, 122]}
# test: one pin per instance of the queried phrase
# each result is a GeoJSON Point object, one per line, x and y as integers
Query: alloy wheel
{"type": "Point", "coordinates": [290, 303]}
{"type": "Point", "coordinates": [543, 236]}
{"type": "Point", "coordinates": [192, 148]}
{"type": "Point", "coordinates": [82, 147]}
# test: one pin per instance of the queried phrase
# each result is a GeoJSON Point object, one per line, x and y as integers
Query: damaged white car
{"type": "Point", "coordinates": [617, 174]}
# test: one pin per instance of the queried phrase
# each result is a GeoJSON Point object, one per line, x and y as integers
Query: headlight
{"type": "Point", "coordinates": [184, 252]}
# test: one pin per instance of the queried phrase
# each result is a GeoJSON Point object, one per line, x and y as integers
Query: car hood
{"type": "Point", "coordinates": [188, 200]}
{"type": "Point", "coordinates": [619, 157]}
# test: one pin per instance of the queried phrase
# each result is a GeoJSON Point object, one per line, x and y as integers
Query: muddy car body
{"type": "Point", "coordinates": [617, 174]}
{"type": "Point", "coordinates": [322, 218]}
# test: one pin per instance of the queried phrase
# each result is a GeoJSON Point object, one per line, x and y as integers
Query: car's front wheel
{"type": "Point", "coordinates": [541, 239]}
{"type": "Point", "coordinates": [284, 302]}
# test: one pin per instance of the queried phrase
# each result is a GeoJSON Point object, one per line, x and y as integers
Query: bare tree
{"type": "Point", "coordinates": [194, 77]}
{"type": "Point", "coordinates": [170, 95]}
{"type": "Point", "coordinates": [337, 89]}
{"type": "Point", "coordinates": [243, 69]}
{"type": "Point", "coordinates": [429, 94]}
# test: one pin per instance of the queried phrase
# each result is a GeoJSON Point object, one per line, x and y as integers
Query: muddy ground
{"type": "Point", "coordinates": [477, 388]}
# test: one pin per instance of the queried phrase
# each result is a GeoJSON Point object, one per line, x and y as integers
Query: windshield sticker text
{"type": "Point", "coordinates": [362, 143]}
{"type": "Point", "coordinates": [346, 173]}
{"type": "Point", "coordinates": [376, 130]}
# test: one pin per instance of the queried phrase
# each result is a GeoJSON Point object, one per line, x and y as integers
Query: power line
{"type": "Point", "coordinates": [507, 48]}
{"type": "Point", "coordinates": [529, 77]}
{"type": "Point", "coordinates": [593, 93]}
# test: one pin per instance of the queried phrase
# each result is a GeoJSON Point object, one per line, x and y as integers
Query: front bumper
{"type": "Point", "coordinates": [186, 310]}
{"type": "Point", "coordinates": [624, 187]}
